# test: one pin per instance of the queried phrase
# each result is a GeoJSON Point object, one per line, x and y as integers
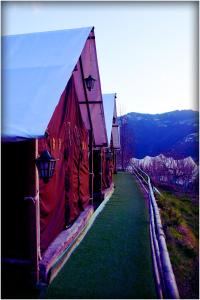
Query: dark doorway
{"type": "Point", "coordinates": [97, 167]}
{"type": "Point", "coordinates": [18, 182]}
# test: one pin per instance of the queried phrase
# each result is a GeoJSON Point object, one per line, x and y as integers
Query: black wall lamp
{"type": "Point", "coordinates": [46, 165]}
{"type": "Point", "coordinates": [89, 81]}
{"type": "Point", "coordinates": [109, 154]}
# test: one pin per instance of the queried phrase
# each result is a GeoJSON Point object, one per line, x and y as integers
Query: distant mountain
{"type": "Point", "coordinates": [173, 134]}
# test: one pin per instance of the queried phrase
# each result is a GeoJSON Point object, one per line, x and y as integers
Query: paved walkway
{"type": "Point", "coordinates": [114, 259]}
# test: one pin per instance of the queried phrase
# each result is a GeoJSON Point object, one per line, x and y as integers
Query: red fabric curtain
{"type": "Point", "coordinates": [84, 170]}
{"type": "Point", "coordinates": [107, 170]}
{"type": "Point", "coordinates": [104, 170]}
{"type": "Point", "coordinates": [67, 192]}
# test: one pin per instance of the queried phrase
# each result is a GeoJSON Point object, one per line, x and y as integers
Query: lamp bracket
{"type": "Point", "coordinates": [33, 199]}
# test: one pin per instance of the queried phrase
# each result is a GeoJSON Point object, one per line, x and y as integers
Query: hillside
{"type": "Point", "coordinates": [173, 134]}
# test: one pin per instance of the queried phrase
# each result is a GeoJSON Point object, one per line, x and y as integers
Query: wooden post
{"type": "Point", "coordinates": [37, 215]}
{"type": "Point", "coordinates": [33, 210]}
{"type": "Point", "coordinates": [100, 172]}
{"type": "Point", "coordinates": [115, 161]}
{"type": "Point", "coordinates": [91, 174]}
{"type": "Point", "coordinates": [168, 274]}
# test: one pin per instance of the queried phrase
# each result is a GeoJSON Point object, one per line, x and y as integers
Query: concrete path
{"type": "Point", "coordinates": [114, 259]}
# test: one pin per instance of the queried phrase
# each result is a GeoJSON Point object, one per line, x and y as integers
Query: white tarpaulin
{"type": "Point", "coordinates": [110, 112]}
{"type": "Point", "coordinates": [108, 104]}
{"type": "Point", "coordinates": [36, 68]}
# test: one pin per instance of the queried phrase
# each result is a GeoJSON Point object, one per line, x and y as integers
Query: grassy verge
{"type": "Point", "coordinates": [180, 218]}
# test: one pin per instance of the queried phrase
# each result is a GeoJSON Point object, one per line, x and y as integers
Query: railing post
{"type": "Point", "coordinates": [165, 279]}
{"type": "Point", "coordinates": [168, 274]}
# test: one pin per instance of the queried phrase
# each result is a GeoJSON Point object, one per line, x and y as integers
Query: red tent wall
{"type": "Point", "coordinates": [67, 192]}
{"type": "Point", "coordinates": [107, 170]}
{"type": "Point", "coordinates": [104, 170]}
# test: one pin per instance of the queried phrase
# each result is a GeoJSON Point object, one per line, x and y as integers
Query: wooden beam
{"type": "Point", "coordinates": [91, 174]}
{"type": "Point", "coordinates": [103, 145]}
{"type": "Point", "coordinates": [90, 102]}
{"type": "Point", "coordinates": [85, 93]}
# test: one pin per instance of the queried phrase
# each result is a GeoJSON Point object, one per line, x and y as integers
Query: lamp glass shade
{"type": "Point", "coordinates": [46, 165]}
{"type": "Point", "coordinates": [109, 154]}
{"type": "Point", "coordinates": [89, 81]}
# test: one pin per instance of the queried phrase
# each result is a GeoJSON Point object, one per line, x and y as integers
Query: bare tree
{"type": "Point", "coordinates": [166, 170]}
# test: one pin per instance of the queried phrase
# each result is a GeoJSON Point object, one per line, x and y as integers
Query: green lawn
{"type": "Point", "coordinates": [114, 259]}
{"type": "Point", "coordinates": [180, 218]}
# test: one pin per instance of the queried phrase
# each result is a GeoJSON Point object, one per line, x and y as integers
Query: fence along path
{"type": "Point", "coordinates": [164, 276]}
{"type": "Point", "coordinates": [114, 259]}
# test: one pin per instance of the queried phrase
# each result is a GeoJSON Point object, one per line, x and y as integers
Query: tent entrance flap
{"type": "Point", "coordinates": [97, 163]}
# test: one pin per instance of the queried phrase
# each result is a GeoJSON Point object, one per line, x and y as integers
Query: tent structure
{"type": "Point", "coordinates": [49, 105]}
{"type": "Point", "coordinates": [36, 68]}
{"type": "Point", "coordinates": [112, 129]}
{"type": "Point", "coordinates": [105, 157]}
{"type": "Point", "coordinates": [112, 126]}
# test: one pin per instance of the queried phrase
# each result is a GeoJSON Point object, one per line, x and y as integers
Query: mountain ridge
{"type": "Point", "coordinates": [172, 133]}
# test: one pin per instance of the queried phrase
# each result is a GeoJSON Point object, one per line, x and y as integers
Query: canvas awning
{"type": "Point", "coordinates": [116, 137]}
{"type": "Point", "coordinates": [115, 129]}
{"type": "Point", "coordinates": [108, 104]}
{"type": "Point", "coordinates": [36, 68]}
{"type": "Point", "coordinates": [110, 111]}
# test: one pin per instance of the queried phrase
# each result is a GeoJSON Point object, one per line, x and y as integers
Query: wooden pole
{"type": "Point", "coordinates": [167, 286]}
{"type": "Point", "coordinates": [169, 278]}
{"type": "Point", "coordinates": [91, 174]}
{"type": "Point", "coordinates": [101, 172]}
{"type": "Point", "coordinates": [37, 216]}
{"type": "Point", "coordinates": [33, 210]}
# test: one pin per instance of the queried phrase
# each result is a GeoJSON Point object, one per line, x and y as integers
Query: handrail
{"type": "Point", "coordinates": [164, 275]}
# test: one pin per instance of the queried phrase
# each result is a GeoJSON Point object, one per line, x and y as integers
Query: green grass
{"type": "Point", "coordinates": [114, 259]}
{"type": "Point", "coordinates": [180, 218]}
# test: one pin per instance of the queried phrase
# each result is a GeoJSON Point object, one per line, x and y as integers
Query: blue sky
{"type": "Point", "coordinates": [147, 52]}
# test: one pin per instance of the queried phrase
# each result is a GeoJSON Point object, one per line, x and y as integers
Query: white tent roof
{"type": "Point", "coordinates": [36, 68]}
{"type": "Point", "coordinates": [116, 137]}
{"type": "Point", "coordinates": [110, 111]}
{"type": "Point", "coordinates": [109, 104]}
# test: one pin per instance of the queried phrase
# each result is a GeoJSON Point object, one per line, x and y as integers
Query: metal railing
{"type": "Point", "coordinates": [164, 275]}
